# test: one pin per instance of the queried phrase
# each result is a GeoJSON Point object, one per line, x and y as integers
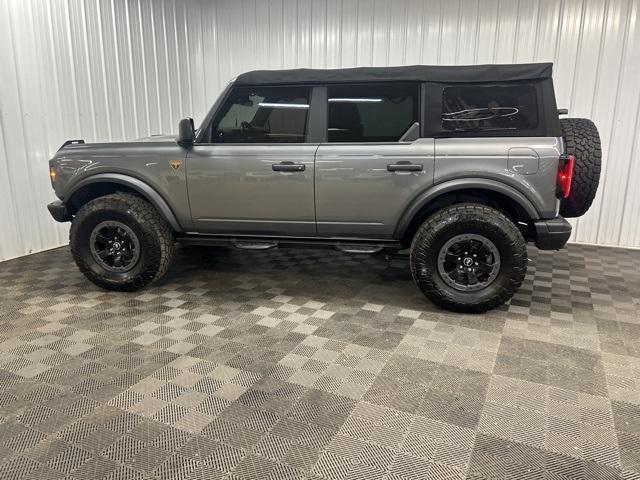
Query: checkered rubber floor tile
{"type": "Point", "coordinates": [297, 364]}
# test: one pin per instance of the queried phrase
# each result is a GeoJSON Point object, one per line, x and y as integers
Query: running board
{"type": "Point", "coordinates": [248, 242]}
{"type": "Point", "coordinates": [358, 248]}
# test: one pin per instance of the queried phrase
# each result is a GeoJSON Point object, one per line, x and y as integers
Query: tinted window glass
{"type": "Point", "coordinates": [263, 115]}
{"type": "Point", "coordinates": [371, 113]}
{"type": "Point", "coordinates": [491, 107]}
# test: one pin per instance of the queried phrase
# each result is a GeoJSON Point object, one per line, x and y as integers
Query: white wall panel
{"type": "Point", "coordinates": [108, 70]}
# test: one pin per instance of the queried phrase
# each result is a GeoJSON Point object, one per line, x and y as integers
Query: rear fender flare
{"type": "Point", "coordinates": [141, 187]}
{"type": "Point", "coordinates": [436, 191]}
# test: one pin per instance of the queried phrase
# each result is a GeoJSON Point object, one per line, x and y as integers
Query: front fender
{"type": "Point", "coordinates": [462, 184]}
{"type": "Point", "coordinates": [135, 184]}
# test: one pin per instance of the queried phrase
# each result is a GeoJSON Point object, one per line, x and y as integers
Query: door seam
{"type": "Point", "coordinates": [315, 208]}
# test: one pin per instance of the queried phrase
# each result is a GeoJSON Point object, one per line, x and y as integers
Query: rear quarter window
{"type": "Point", "coordinates": [496, 109]}
{"type": "Point", "coordinates": [489, 108]}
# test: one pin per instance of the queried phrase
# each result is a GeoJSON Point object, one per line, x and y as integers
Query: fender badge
{"type": "Point", "coordinates": [175, 164]}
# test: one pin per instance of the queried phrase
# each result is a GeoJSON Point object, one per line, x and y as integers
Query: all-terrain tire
{"type": "Point", "coordinates": [583, 142]}
{"type": "Point", "coordinates": [154, 235]}
{"type": "Point", "coordinates": [465, 219]}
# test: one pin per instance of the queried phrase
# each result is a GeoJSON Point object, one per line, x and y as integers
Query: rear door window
{"type": "Point", "coordinates": [371, 112]}
{"type": "Point", "coordinates": [263, 115]}
{"type": "Point", "coordinates": [486, 108]}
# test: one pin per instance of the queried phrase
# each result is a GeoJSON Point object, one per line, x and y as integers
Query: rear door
{"type": "Point", "coordinates": [372, 163]}
{"type": "Point", "coordinates": [253, 174]}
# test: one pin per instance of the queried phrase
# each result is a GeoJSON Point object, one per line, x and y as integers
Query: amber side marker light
{"type": "Point", "coordinates": [52, 174]}
{"type": "Point", "coordinates": [565, 174]}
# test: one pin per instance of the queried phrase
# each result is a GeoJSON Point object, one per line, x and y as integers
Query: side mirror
{"type": "Point", "coordinates": [186, 132]}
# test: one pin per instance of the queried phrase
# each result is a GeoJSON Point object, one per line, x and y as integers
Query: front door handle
{"type": "Point", "coordinates": [404, 166]}
{"type": "Point", "coordinates": [288, 167]}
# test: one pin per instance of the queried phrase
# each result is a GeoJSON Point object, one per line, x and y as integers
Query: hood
{"type": "Point", "coordinates": [162, 137]}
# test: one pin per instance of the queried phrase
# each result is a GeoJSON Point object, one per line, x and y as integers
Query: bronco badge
{"type": "Point", "coordinates": [175, 164]}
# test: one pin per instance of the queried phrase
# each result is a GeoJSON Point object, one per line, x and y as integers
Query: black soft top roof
{"type": "Point", "coordinates": [412, 73]}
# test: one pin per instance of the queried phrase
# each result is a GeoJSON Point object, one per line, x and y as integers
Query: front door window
{"type": "Point", "coordinates": [262, 115]}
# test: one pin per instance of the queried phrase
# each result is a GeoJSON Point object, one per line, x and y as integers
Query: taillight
{"type": "Point", "coordinates": [565, 173]}
{"type": "Point", "coordinates": [52, 174]}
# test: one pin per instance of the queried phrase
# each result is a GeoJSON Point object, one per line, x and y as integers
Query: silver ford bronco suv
{"type": "Point", "coordinates": [462, 165]}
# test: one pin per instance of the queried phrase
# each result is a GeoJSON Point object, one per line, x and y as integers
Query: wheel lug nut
{"type": "Point", "coordinates": [476, 263]}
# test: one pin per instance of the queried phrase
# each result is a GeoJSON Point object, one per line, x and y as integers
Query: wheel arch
{"type": "Point", "coordinates": [102, 184]}
{"type": "Point", "coordinates": [494, 194]}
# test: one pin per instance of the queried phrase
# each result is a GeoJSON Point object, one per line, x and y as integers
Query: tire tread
{"type": "Point", "coordinates": [422, 246]}
{"type": "Point", "coordinates": [583, 141]}
{"type": "Point", "coordinates": [145, 214]}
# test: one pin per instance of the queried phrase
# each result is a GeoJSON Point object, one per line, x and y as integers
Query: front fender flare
{"type": "Point", "coordinates": [435, 191]}
{"type": "Point", "coordinates": [137, 185]}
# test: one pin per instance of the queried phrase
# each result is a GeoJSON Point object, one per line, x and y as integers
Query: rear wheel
{"type": "Point", "coordinates": [120, 242]}
{"type": "Point", "coordinates": [583, 142]}
{"type": "Point", "coordinates": [468, 258]}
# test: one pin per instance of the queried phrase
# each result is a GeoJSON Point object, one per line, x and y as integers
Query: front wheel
{"type": "Point", "coordinates": [468, 258]}
{"type": "Point", "coordinates": [120, 242]}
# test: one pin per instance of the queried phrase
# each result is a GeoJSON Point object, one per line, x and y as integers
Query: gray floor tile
{"type": "Point", "coordinates": [318, 365]}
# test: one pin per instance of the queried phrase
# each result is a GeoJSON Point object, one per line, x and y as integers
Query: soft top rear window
{"type": "Point", "coordinates": [488, 108]}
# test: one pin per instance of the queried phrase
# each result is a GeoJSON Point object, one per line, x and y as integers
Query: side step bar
{"type": "Point", "coordinates": [343, 247]}
{"type": "Point", "coordinates": [347, 245]}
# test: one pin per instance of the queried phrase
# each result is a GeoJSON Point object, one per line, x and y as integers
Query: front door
{"type": "Point", "coordinates": [254, 173]}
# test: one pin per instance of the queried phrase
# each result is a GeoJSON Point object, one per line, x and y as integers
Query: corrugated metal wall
{"type": "Point", "coordinates": [116, 69]}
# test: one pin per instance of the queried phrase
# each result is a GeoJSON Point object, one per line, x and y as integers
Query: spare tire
{"type": "Point", "coordinates": [583, 142]}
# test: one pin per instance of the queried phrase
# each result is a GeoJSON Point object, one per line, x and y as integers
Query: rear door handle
{"type": "Point", "coordinates": [404, 166]}
{"type": "Point", "coordinates": [288, 167]}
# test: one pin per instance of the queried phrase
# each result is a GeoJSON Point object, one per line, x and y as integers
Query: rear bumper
{"type": "Point", "coordinates": [59, 212]}
{"type": "Point", "coordinates": [552, 234]}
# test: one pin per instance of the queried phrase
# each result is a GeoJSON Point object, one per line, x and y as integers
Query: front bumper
{"type": "Point", "coordinates": [59, 212]}
{"type": "Point", "coordinates": [552, 234]}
